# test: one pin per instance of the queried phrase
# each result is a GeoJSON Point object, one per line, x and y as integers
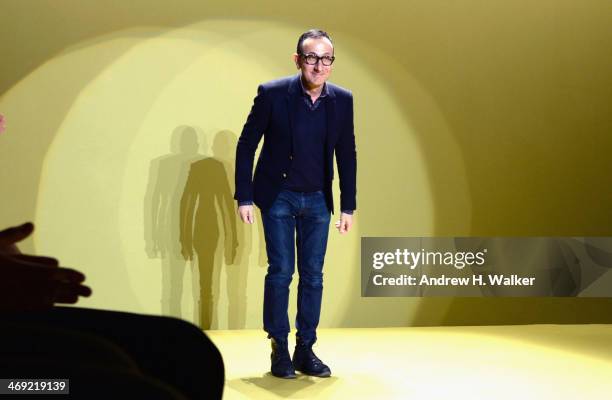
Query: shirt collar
{"type": "Point", "coordinates": [324, 92]}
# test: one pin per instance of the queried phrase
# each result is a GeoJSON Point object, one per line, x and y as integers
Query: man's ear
{"type": "Point", "coordinates": [296, 60]}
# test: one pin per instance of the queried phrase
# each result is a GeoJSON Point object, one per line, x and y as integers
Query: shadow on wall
{"type": "Point", "coordinates": [190, 219]}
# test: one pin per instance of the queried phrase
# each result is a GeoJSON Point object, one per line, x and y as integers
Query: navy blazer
{"type": "Point", "coordinates": [272, 116]}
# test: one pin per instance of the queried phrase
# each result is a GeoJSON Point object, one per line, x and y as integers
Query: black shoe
{"type": "Point", "coordinates": [281, 363]}
{"type": "Point", "coordinates": [305, 360]}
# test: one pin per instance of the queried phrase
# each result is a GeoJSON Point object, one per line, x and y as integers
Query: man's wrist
{"type": "Point", "coordinates": [245, 203]}
{"type": "Point", "coordinates": [348, 212]}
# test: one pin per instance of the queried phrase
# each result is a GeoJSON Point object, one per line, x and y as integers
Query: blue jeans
{"type": "Point", "coordinates": [305, 217]}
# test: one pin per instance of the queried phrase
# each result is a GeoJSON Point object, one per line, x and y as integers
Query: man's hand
{"type": "Point", "coordinates": [30, 282]}
{"type": "Point", "coordinates": [345, 223]}
{"type": "Point", "coordinates": [246, 214]}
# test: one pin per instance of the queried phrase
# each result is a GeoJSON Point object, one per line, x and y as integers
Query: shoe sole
{"type": "Point", "coordinates": [292, 376]}
{"type": "Point", "coordinates": [321, 375]}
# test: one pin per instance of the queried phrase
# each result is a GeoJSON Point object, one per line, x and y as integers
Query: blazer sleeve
{"type": "Point", "coordinates": [346, 159]}
{"type": "Point", "coordinates": [253, 129]}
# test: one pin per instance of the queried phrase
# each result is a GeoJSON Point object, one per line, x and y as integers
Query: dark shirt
{"type": "Point", "coordinates": [307, 172]}
{"type": "Point", "coordinates": [313, 106]}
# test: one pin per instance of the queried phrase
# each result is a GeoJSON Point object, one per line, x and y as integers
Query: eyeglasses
{"type": "Point", "coordinates": [313, 59]}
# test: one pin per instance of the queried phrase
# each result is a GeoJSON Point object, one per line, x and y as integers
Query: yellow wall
{"type": "Point", "coordinates": [472, 118]}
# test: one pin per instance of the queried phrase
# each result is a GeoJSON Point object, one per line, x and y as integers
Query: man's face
{"type": "Point", "coordinates": [315, 75]}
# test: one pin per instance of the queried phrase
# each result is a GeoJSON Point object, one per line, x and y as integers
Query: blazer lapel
{"type": "Point", "coordinates": [330, 111]}
{"type": "Point", "coordinates": [293, 96]}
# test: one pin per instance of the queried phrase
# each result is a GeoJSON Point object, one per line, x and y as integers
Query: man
{"type": "Point", "coordinates": [304, 120]}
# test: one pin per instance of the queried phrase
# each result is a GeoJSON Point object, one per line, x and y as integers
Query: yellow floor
{"type": "Point", "coordinates": [492, 362]}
